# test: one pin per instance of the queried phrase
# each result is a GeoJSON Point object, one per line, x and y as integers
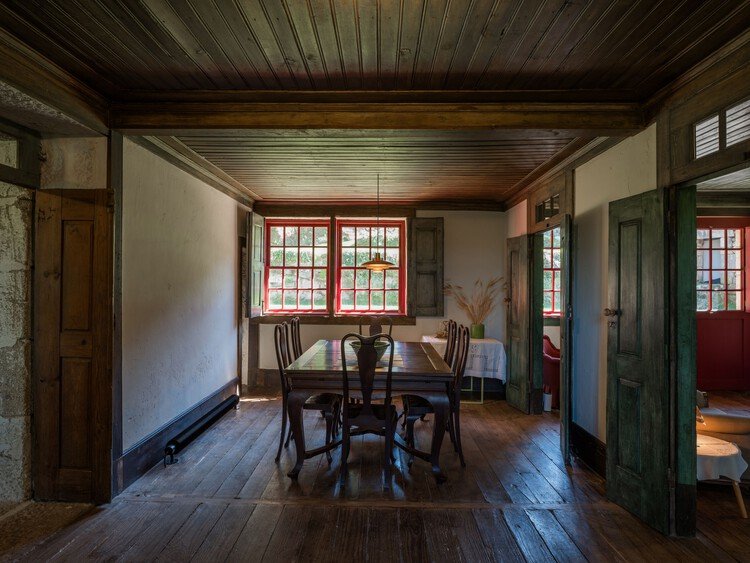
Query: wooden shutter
{"type": "Point", "coordinates": [425, 287]}
{"type": "Point", "coordinates": [257, 237]}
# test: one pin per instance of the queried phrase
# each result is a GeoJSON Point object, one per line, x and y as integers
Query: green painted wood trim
{"type": "Point", "coordinates": [551, 321]}
{"type": "Point", "coordinates": [537, 322]}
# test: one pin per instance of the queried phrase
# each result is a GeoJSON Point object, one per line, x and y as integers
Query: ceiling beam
{"type": "Point", "coordinates": [580, 119]}
{"type": "Point", "coordinates": [38, 77]}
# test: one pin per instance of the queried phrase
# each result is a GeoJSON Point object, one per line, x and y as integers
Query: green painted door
{"type": "Point", "coordinates": [256, 293]}
{"type": "Point", "coordinates": [517, 387]}
{"type": "Point", "coordinates": [566, 348]}
{"type": "Point", "coordinates": [637, 379]}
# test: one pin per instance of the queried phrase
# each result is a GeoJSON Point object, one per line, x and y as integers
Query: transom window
{"type": "Point", "coordinates": [552, 277]}
{"type": "Point", "coordinates": [297, 269]}
{"type": "Point", "coordinates": [359, 289]}
{"type": "Point", "coordinates": [720, 275]}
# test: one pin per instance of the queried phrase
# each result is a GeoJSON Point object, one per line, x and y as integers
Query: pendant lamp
{"type": "Point", "coordinates": [377, 264]}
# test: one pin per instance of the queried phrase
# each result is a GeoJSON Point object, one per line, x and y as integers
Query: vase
{"type": "Point", "coordinates": [477, 331]}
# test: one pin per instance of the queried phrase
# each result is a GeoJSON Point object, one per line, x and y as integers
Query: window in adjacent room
{"type": "Point", "coordinates": [720, 275]}
{"type": "Point", "coordinates": [552, 302]}
{"type": "Point", "coordinates": [360, 290]}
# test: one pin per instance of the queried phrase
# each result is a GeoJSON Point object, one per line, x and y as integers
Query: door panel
{"type": "Point", "coordinates": [638, 381]}
{"type": "Point", "coordinates": [72, 325]}
{"type": "Point", "coordinates": [257, 291]}
{"type": "Point", "coordinates": [518, 382]}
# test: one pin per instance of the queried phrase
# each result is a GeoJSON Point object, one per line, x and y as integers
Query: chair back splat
{"type": "Point", "coordinates": [450, 343]}
{"type": "Point", "coordinates": [294, 325]}
{"type": "Point", "coordinates": [367, 359]}
{"type": "Point", "coordinates": [283, 356]}
{"type": "Point", "coordinates": [461, 355]}
{"type": "Point", "coordinates": [376, 323]}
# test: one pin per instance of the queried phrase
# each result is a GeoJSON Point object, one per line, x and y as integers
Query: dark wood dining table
{"type": "Point", "coordinates": [417, 370]}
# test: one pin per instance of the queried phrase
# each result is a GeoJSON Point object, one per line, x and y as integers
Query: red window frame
{"type": "Point", "coordinates": [556, 273]}
{"type": "Point", "coordinates": [340, 268]}
{"type": "Point", "coordinates": [270, 223]}
{"type": "Point", "coordinates": [721, 224]}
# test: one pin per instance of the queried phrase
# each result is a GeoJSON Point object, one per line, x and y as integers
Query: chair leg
{"type": "Point", "coordinates": [389, 429]}
{"type": "Point", "coordinates": [410, 438]}
{"type": "Point", "coordinates": [283, 429]}
{"type": "Point", "coordinates": [288, 437]}
{"type": "Point", "coordinates": [457, 430]}
{"type": "Point", "coordinates": [329, 431]}
{"type": "Point", "coordinates": [344, 454]}
{"type": "Point", "coordinates": [451, 433]}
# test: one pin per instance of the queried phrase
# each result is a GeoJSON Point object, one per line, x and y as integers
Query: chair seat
{"type": "Point", "coordinates": [321, 402]}
{"type": "Point", "coordinates": [415, 405]}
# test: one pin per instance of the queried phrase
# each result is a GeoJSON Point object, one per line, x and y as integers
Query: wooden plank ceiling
{"type": "Point", "coordinates": [493, 50]}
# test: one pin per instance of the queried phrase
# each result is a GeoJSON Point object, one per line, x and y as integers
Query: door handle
{"type": "Point", "coordinates": [611, 312]}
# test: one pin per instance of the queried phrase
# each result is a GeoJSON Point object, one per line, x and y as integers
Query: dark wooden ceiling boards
{"type": "Point", "coordinates": [308, 99]}
{"type": "Point", "coordinates": [414, 166]}
{"type": "Point", "coordinates": [631, 48]}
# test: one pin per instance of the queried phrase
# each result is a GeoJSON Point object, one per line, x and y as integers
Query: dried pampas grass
{"type": "Point", "coordinates": [482, 301]}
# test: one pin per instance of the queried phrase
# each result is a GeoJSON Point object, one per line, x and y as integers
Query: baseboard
{"type": "Point", "coordinates": [589, 449]}
{"type": "Point", "coordinates": [137, 460]}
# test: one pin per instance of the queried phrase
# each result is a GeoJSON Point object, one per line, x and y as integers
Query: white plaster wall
{"type": "Point", "coordinates": [179, 292]}
{"type": "Point", "coordinates": [74, 163]}
{"type": "Point", "coordinates": [474, 248]}
{"type": "Point", "coordinates": [627, 169]}
{"type": "Point", "coordinates": [518, 219]}
{"type": "Point", "coordinates": [554, 334]}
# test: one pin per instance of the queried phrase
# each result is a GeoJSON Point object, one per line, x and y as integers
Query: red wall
{"type": "Point", "coordinates": [723, 338]}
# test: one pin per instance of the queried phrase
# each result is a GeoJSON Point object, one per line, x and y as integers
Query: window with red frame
{"type": "Point", "coordinates": [552, 278]}
{"type": "Point", "coordinates": [360, 290]}
{"type": "Point", "coordinates": [296, 266]}
{"type": "Point", "coordinates": [719, 282]}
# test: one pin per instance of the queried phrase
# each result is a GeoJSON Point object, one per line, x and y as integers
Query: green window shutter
{"type": "Point", "coordinates": [425, 287]}
{"type": "Point", "coordinates": [257, 263]}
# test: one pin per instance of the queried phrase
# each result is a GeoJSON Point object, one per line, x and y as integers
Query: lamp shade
{"type": "Point", "coordinates": [377, 264]}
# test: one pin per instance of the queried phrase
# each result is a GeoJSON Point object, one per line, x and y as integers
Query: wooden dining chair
{"type": "Point", "coordinates": [450, 342]}
{"type": "Point", "coordinates": [296, 339]}
{"type": "Point", "coordinates": [415, 407]}
{"type": "Point", "coordinates": [376, 324]}
{"type": "Point", "coordinates": [367, 417]}
{"type": "Point", "coordinates": [328, 403]}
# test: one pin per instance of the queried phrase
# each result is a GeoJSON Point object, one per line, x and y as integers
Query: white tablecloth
{"type": "Point", "coordinates": [717, 458]}
{"type": "Point", "coordinates": [486, 356]}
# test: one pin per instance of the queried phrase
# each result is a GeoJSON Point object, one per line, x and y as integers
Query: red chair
{"type": "Point", "coordinates": [551, 370]}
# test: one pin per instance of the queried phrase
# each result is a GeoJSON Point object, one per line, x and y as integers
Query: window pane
{"type": "Point", "coordinates": [319, 300]}
{"type": "Point", "coordinates": [305, 279]}
{"type": "Point", "coordinates": [547, 257]}
{"type": "Point", "coordinates": [557, 302]}
{"type": "Point", "coordinates": [392, 255]}
{"type": "Point", "coordinates": [347, 300]}
{"type": "Point", "coordinates": [702, 301]}
{"type": "Point", "coordinates": [305, 236]}
{"type": "Point", "coordinates": [347, 257]}
{"type": "Point", "coordinates": [347, 236]}
{"type": "Point", "coordinates": [734, 280]}
{"type": "Point", "coordinates": [363, 236]}
{"type": "Point", "coordinates": [290, 279]}
{"type": "Point", "coordinates": [702, 259]}
{"type": "Point", "coordinates": [362, 256]}
{"type": "Point", "coordinates": [717, 258]}
{"type": "Point", "coordinates": [377, 301]}
{"type": "Point", "coordinates": [277, 236]}
{"type": "Point", "coordinates": [734, 259]}
{"type": "Point", "coordinates": [717, 238]}
{"type": "Point", "coordinates": [547, 239]}
{"type": "Point", "coordinates": [391, 279]}
{"type": "Point", "coordinates": [290, 300]}
{"type": "Point", "coordinates": [321, 236]}
{"type": "Point", "coordinates": [703, 238]}
{"type": "Point", "coordinates": [547, 303]}
{"type": "Point", "coordinates": [319, 279]}
{"type": "Point", "coordinates": [362, 300]}
{"type": "Point", "coordinates": [347, 279]}
{"type": "Point", "coordinates": [718, 301]}
{"type": "Point", "coordinates": [734, 238]}
{"type": "Point", "coordinates": [291, 236]}
{"type": "Point", "coordinates": [558, 278]}
{"type": "Point", "coordinates": [305, 300]}
{"type": "Point", "coordinates": [290, 257]}
{"type": "Point", "coordinates": [548, 279]}
{"type": "Point", "coordinates": [363, 279]}
{"type": "Point", "coordinates": [718, 280]}
{"type": "Point", "coordinates": [734, 301]}
{"type": "Point", "coordinates": [378, 236]}
{"type": "Point", "coordinates": [321, 257]}
{"type": "Point", "coordinates": [703, 279]}
{"type": "Point", "coordinates": [376, 280]}
{"type": "Point", "coordinates": [556, 237]}
{"type": "Point", "coordinates": [391, 300]}
{"type": "Point", "coordinates": [305, 256]}
{"type": "Point", "coordinates": [556, 258]}
{"type": "Point", "coordinates": [274, 278]}
{"type": "Point", "coordinates": [277, 257]}
{"type": "Point", "coordinates": [391, 236]}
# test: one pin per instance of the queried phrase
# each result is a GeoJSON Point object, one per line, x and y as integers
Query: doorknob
{"type": "Point", "coordinates": [611, 312]}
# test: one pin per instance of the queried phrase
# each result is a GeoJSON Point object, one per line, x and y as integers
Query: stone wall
{"type": "Point", "coordinates": [16, 253]}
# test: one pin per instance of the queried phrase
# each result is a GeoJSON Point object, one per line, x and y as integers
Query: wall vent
{"type": "Point", "coordinates": [738, 123]}
{"type": "Point", "coordinates": [707, 136]}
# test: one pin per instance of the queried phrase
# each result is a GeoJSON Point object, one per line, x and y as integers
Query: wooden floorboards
{"type": "Point", "coordinates": [227, 500]}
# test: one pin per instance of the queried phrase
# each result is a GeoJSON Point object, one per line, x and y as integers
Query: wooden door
{"type": "Point", "coordinates": [566, 333]}
{"type": "Point", "coordinates": [518, 388]}
{"type": "Point", "coordinates": [257, 236]}
{"type": "Point", "coordinates": [638, 425]}
{"type": "Point", "coordinates": [72, 352]}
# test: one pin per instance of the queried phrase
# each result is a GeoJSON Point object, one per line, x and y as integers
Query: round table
{"type": "Point", "coordinates": [718, 458]}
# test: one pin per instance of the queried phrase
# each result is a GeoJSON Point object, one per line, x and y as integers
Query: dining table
{"type": "Point", "coordinates": [418, 369]}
